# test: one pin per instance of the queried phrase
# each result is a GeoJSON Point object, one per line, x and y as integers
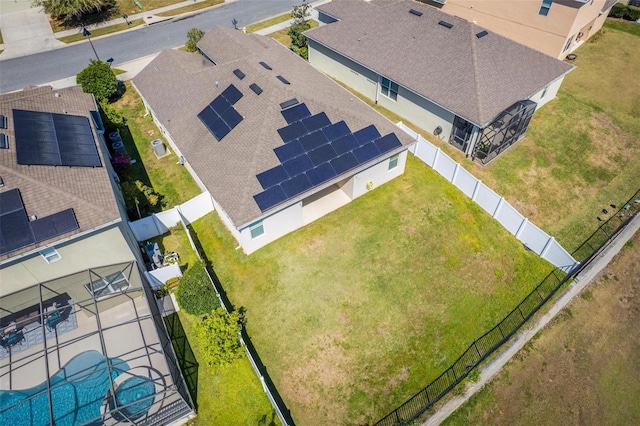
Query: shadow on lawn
{"type": "Point", "coordinates": [262, 369]}
{"type": "Point", "coordinates": [186, 357]}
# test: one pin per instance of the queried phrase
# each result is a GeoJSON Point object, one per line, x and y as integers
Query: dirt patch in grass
{"type": "Point", "coordinates": [582, 369]}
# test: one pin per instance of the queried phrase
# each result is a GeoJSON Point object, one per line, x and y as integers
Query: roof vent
{"type": "Point", "coordinates": [290, 102]}
{"type": "Point", "coordinates": [445, 24]}
{"type": "Point", "coordinates": [482, 34]}
{"type": "Point", "coordinates": [415, 12]}
{"type": "Point", "coordinates": [266, 66]}
{"type": "Point", "coordinates": [239, 74]}
{"type": "Point", "coordinates": [256, 89]}
{"type": "Point", "coordinates": [282, 79]}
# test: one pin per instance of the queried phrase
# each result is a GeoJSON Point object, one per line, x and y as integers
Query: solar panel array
{"type": "Point", "coordinates": [220, 116]}
{"type": "Point", "coordinates": [16, 231]}
{"type": "Point", "coordinates": [316, 151]}
{"type": "Point", "coordinates": [48, 139]}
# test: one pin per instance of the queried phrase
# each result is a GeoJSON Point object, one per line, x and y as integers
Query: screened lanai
{"type": "Point", "coordinates": [85, 349]}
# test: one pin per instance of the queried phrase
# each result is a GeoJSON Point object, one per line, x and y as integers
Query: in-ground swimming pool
{"type": "Point", "coordinates": [78, 392]}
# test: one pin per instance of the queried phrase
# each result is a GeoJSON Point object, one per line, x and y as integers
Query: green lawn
{"type": "Point", "coordinates": [102, 31]}
{"type": "Point", "coordinates": [283, 35]}
{"type": "Point", "coordinates": [191, 7]}
{"type": "Point", "coordinates": [167, 178]}
{"type": "Point", "coordinates": [268, 22]}
{"type": "Point", "coordinates": [355, 312]}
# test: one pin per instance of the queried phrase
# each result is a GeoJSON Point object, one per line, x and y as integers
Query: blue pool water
{"type": "Point", "coordinates": [78, 392]}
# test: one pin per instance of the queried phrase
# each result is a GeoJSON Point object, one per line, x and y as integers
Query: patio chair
{"type": "Point", "coordinates": [58, 316]}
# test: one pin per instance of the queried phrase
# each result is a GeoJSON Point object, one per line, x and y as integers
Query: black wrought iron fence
{"type": "Point", "coordinates": [480, 349]}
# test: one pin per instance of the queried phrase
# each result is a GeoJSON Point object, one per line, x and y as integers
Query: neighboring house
{"type": "Point", "coordinates": [81, 341]}
{"type": "Point", "coordinates": [275, 142]}
{"type": "Point", "coordinates": [466, 85]}
{"type": "Point", "coordinates": [554, 27]}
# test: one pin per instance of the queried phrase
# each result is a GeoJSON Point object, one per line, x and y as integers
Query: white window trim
{"type": "Point", "coordinates": [50, 255]}
{"type": "Point", "coordinates": [255, 226]}
{"type": "Point", "coordinates": [391, 82]}
{"type": "Point", "coordinates": [392, 159]}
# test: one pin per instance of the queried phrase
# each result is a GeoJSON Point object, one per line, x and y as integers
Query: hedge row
{"type": "Point", "coordinates": [630, 13]}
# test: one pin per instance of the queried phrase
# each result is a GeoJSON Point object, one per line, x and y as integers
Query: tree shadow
{"type": "Point", "coordinates": [109, 10]}
{"type": "Point", "coordinates": [184, 353]}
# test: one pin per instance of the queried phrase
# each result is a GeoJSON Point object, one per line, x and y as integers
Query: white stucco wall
{"type": "Point", "coordinates": [550, 94]}
{"type": "Point", "coordinates": [275, 226]}
{"type": "Point", "coordinates": [377, 175]}
{"type": "Point", "coordinates": [103, 248]}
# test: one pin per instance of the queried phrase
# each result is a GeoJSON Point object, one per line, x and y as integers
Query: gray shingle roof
{"type": "Point", "coordinates": [48, 189]}
{"type": "Point", "coordinates": [177, 90]}
{"type": "Point", "coordinates": [476, 78]}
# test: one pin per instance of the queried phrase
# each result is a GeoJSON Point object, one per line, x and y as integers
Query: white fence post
{"type": "Point", "coordinates": [475, 189]}
{"type": "Point", "coordinates": [521, 228]}
{"type": "Point", "coordinates": [546, 247]}
{"type": "Point", "coordinates": [435, 158]}
{"type": "Point", "coordinates": [455, 173]}
{"type": "Point", "coordinates": [497, 210]}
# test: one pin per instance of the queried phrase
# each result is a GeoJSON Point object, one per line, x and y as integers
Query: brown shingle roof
{"type": "Point", "coordinates": [476, 78]}
{"type": "Point", "coordinates": [228, 168]}
{"type": "Point", "coordinates": [49, 189]}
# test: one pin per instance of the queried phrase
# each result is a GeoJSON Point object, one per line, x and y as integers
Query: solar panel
{"type": "Point", "coordinates": [288, 151]}
{"type": "Point", "coordinates": [207, 116]}
{"type": "Point", "coordinates": [272, 177]}
{"type": "Point", "coordinates": [10, 201]}
{"type": "Point", "coordinates": [336, 130]}
{"type": "Point", "coordinates": [292, 131]}
{"type": "Point", "coordinates": [231, 117]}
{"type": "Point", "coordinates": [296, 113]}
{"type": "Point", "coordinates": [298, 165]}
{"type": "Point", "coordinates": [269, 198]}
{"type": "Point", "coordinates": [313, 140]}
{"type": "Point", "coordinates": [388, 142]}
{"type": "Point", "coordinates": [296, 185]}
{"type": "Point", "coordinates": [219, 129]}
{"type": "Point", "coordinates": [321, 174]}
{"type": "Point", "coordinates": [256, 89]}
{"type": "Point", "coordinates": [366, 152]}
{"type": "Point", "coordinates": [316, 122]}
{"type": "Point", "coordinates": [345, 144]}
{"type": "Point", "coordinates": [265, 65]}
{"type": "Point", "coordinates": [282, 79]}
{"type": "Point", "coordinates": [44, 138]}
{"type": "Point", "coordinates": [220, 105]}
{"type": "Point", "coordinates": [239, 74]}
{"type": "Point", "coordinates": [15, 231]}
{"type": "Point", "coordinates": [232, 94]}
{"type": "Point", "coordinates": [344, 162]}
{"type": "Point", "coordinates": [55, 224]}
{"type": "Point", "coordinates": [366, 135]}
{"type": "Point", "coordinates": [290, 102]}
{"type": "Point", "coordinates": [322, 154]}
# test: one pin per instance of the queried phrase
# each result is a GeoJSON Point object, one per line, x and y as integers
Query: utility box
{"type": "Point", "coordinates": [158, 148]}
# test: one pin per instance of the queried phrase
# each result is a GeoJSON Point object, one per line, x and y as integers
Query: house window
{"type": "Point", "coordinates": [50, 254]}
{"type": "Point", "coordinates": [566, 46]}
{"type": "Point", "coordinates": [544, 92]}
{"type": "Point", "coordinates": [393, 161]}
{"type": "Point", "coordinates": [256, 229]}
{"type": "Point", "coordinates": [389, 88]}
{"type": "Point", "coordinates": [545, 7]}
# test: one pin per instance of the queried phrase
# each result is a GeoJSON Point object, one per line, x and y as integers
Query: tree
{"type": "Point", "coordinates": [300, 14]}
{"type": "Point", "coordinates": [218, 333]}
{"type": "Point", "coordinates": [193, 37]}
{"type": "Point", "coordinates": [99, 80]}
{"type": "Point", "coordinates": [195, 293]}
{"type": "Point", "coordinates": [68, 9]}
{"type": "Point", "coordinates": [140, 198]}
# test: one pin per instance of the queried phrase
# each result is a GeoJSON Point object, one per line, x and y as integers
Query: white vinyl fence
{"type": "Point", "coordinates": [160, 223]}
{"type": "Point", "coordinates": [531, 236]}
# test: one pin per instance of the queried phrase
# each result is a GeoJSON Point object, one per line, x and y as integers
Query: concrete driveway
{"type": "Point", "coordinates": [25, 30]}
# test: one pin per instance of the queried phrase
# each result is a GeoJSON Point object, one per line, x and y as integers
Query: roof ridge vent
{"type": "Point", "coordinates": [415, 12]}
{"type": "Point", "coordinates": [482, 34]}
{"type": "Point", "coordinates": [445, 24]}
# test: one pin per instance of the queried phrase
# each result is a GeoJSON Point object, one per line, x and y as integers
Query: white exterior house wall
{"type": "Point", "coordinates": [549, 95]}
{"type": "Point", "coordinates": [275, 226]}
{"type": "Point", "coordinates": [105, 247]}
{"type": "Point", "coordinates": [377, 175]}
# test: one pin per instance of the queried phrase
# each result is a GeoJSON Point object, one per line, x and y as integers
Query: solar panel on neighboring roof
{"type": "Point", "coordinates": [282, 79]}
{"type": "Point", "coordinates": [17, 232]}
{"type": "Point", "coordinates": [315, 151]}
{"type": "Point", "coordinates": [220, 116]}
{"type": "Point", "coordinates": [265, 65]}
{"type": "Point", "coordinates": [445, 24]}
{"type": "Point", "coordinates": [45, 138]}
{"type": "Point", "coordinates": [239, 74]}
{"type": "Point", "coordinates": [256, 89]}
{"type": "Point", "coordinates": [482, 34]}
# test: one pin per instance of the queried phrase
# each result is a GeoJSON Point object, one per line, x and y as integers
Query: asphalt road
{"type": "Point", "coordinates": [57, 64]}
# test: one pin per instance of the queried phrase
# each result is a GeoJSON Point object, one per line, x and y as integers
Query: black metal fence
{"type": "Point", "coordinates": [480, 349]}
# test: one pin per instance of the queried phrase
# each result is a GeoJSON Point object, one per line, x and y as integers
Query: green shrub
{"type": "Point", "coordinates": [99, 80]}
{"type": "Point", "coordinates": [632, 13]}
{"type": "Point", "coordinates": [618, 10]}
{"type": "Point", "coordinates": [193, 37]}
{"type": "Point", "coordinates": [218, 334]}
{"type": "Point", "coordinates": [196, 294]}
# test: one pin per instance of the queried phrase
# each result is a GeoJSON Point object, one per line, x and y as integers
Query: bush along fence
{"type": "Point", "coordinates": [530, 235]}
{"type": "Point", "coordinates": [483, 347]}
